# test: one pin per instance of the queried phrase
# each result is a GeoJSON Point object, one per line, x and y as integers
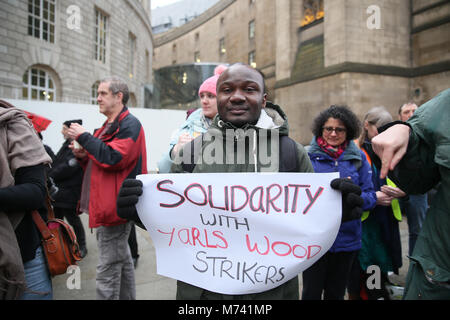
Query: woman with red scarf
{"type": "Point", "coordinates": [333, 150]}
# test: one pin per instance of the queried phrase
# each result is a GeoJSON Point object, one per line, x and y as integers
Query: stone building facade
{"type": "Point", "coordinates": [58, 50]}
{"type": "Point", "coordinates": [230, 31]}
{"type": "Point", "coordinates": [315, 53]}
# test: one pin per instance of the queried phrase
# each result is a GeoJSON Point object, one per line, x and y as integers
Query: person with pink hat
{"type": "Point", "coordinates": [197, 122]}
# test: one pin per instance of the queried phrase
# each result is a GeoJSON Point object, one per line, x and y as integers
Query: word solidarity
{"type": "Point", "coordinates": [279, 198]}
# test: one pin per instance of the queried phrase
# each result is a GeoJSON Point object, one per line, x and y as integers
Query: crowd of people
{"type": "Point", "coordinates": [386, 168]}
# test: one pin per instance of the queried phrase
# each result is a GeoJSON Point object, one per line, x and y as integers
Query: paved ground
{"type": "Point", "coordinates": [149, 285]}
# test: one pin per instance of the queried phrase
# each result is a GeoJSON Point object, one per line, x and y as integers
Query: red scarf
{"type": "Point", "coordinates": [334, 152]}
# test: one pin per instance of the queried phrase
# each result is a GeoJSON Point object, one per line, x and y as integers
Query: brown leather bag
{"type": "Point", "coordinates": [59, 242]}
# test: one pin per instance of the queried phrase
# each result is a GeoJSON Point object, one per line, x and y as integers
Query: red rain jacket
{"type": "Point", "coordinates": [120, 154]}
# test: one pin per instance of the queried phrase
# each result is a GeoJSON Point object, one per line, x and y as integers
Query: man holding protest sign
{"type": "Point", "coordinates": [254, 133]}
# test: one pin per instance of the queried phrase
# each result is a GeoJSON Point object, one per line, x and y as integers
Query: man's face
{"type": "Point", "coordinates": [407, 112]}
{"type": "Point", "coordinates": [107, 101]}
{"type": "Point", "coordinates": [240, 95]}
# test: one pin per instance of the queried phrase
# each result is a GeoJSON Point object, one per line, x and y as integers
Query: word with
{"type": "Point", "coordinates": [235, 309]}
{"type": "Point", "coordinates": [74, 280]}
{"type": "Point", "coordinates": [374, 20]}
{"type": "Point", "coordinates": [277, 247]}
{"type": "Point", "coordinates": [193, 236]}
{"type": "Point", "coordinates": [73, 22]}
{"type": "Point", "coordinates": [241, 271]}
{"type": "Point", "coordinates": [266, 198]}
{"type": "Point", "coordinates": [219, 221]}
{"type": "Point", "coordinates": [189, 310]}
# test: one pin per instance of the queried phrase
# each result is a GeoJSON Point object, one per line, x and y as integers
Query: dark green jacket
{"type": "Point", "coordinates": [427, 163]}
{"type": "Point", "coordinates": [229, 137]}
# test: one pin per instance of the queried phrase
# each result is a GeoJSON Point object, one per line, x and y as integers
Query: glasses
{"type": "Point", "coordinates": [337, 130]}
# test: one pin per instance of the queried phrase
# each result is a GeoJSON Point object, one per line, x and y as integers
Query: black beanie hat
{"type": "Point", "coordinates": [69, 122]}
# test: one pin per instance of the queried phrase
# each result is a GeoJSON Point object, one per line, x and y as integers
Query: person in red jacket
{"type": "Point", "coordinates": [114, 152]}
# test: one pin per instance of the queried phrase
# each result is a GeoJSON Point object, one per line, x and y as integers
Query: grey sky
{"type": "Point", "coordinates": [160, 3]}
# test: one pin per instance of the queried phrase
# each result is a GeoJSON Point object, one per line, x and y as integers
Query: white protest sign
{"type": "Point", "coordinates": [239, 233]}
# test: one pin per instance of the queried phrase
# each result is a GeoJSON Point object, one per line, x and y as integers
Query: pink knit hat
{"type": "Point", "coordinates": [210, 84]}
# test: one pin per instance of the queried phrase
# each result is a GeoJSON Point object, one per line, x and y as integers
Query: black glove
{"type": "Point", "coordinates": [351, 199]}
{"type": "Point", "coordinates": [128, 196]}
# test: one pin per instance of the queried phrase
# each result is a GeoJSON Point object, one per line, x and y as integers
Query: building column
{"type": "Point", "coordinates": [283, 39]}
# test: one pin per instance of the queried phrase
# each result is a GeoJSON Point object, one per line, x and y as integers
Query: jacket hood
{"type": "Point", "coordinates": [196, 122]}
{"type": "Point", "coordinates": [272, 117]}
{"type": "Point", "coordinates": [19, 144]}
{"type": "Point", "coordinates": [10, 113]}
{"type": "Point", "coordinates": [255, 139]}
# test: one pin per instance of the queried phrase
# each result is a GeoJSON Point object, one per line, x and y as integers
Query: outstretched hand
{"type": "Point", "coordinates": [391, 146]}
{"type": "Point", "coordinates": [351, 198]}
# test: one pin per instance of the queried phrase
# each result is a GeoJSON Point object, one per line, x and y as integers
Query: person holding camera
{"type": "Point", "coordinates": [67, 174]}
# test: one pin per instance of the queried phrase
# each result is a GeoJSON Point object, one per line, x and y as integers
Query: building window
{"type": "Point", "coordinates": [94, 92]}
{"type": "Point", "coordinates": [147, 67]}
{"type": "Point", "coordinates": [222, 49]}
{"type": "Point", "coordinates": [131, 54]}
{"type": "Point", "coordinates": [197, 56]}
{"type": "Point", "coordinates": [41, 19]}
{"type": "Point", "coordinates": [312, 11]}
{"type": "Point", "coordinates": [174, 53]}
{"type": "Point", "coordinates": [38, 85]}
{"type": "Point", "coordinates": [251, 29]}
{"type": "Point", "coordinates": [252, 59]}
{"type": "Point", "coordinates": [101, 32]}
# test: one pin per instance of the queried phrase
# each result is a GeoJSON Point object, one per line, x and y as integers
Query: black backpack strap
{"type": "Point", "coordinates": [288, 155]}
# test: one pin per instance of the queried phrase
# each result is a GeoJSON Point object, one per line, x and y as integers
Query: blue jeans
{"type": "Point", "coordinates": [415, 209]}
{"type": "Point", "coordinates": [37, 277]}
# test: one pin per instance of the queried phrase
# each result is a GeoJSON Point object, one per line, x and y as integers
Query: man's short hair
{"type": "Point", "coordinates": [264, 79]}
{"type": "Point", "coordinates": [117, 85]}
{"type": "Point", "coordinates": [405, 104]}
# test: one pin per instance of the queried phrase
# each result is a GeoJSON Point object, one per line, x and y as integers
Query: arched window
{"type": "Point", "coordinates": [38, 85]}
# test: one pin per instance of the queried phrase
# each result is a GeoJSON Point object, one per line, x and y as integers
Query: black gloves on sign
{"type": "Point", "coordinates": [128, 196]}
{"type": "Point", "coordinates": [351, 199]}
